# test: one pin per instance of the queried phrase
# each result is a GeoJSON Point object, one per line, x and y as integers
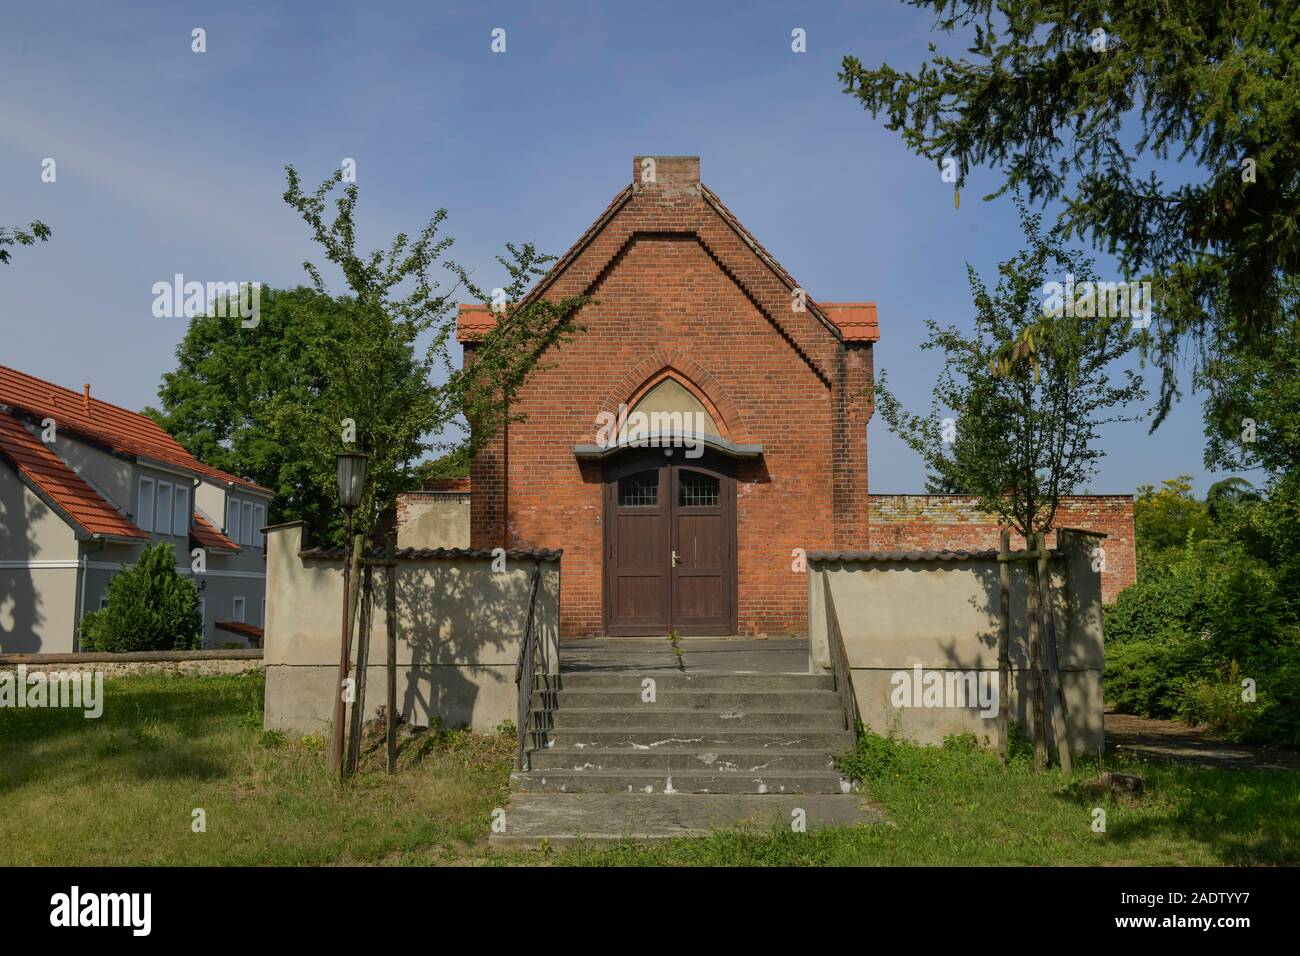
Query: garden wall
{"type": "Point", "coordinates": [939, 612]}
{"type": "Point", "coordinates": [459, 626]}
{"type": "Point", "coordinates": [954, 523]}
{"type": "Point", "coordinates": [183, 663]}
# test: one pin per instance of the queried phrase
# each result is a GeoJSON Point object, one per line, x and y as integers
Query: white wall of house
{"type": "Point", "coordinates": [38, 572]}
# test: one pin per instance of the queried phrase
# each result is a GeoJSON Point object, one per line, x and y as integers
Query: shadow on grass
{"type": "Point", "coordinates": [152, 727]}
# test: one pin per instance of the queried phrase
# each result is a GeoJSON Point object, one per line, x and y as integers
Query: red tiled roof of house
{"type": "Point", "coordinates": [205, 533]}
{"type": "Point", "coordinates": [52, 479]}
{"type": "Point", "coordinates": [855, 320]}
{"type": "Point", "coordinates": [109, 425]}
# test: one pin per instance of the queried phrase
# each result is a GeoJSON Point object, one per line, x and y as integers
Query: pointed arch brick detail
{"type": "Point", "coordinates": [695, 377]}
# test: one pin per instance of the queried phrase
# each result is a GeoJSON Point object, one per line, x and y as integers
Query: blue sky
{"type": "Point", "coordinates": [172, 161]}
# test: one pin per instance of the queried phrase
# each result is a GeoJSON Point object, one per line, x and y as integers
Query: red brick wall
{"type": "Point", "coordinates": [667, 293]}
{"type": "Point", "coordinates": [935, 522]}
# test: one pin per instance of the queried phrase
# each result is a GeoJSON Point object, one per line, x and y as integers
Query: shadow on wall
{"type": "Point", "coordinates": [20, 600]}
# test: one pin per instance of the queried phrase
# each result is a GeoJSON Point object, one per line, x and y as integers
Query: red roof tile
{"type": "Point", "coordinates": [206, 534]}
{"type": "Point", "coordinates": [239, 627]}
{"type": "Point", "coordinates": [855, 320]}
{"type": "Point", "coordinates": [112, 426]}
{"type": "Point", "coordinates": [473, 321]}
{"type": "Point", "coordinates": [59, 484]}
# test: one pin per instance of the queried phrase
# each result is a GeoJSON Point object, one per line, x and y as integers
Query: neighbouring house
{"type": "Point", "coordinates": [85, 486]}
{"type": "Point", "coordinates": [693, 320]}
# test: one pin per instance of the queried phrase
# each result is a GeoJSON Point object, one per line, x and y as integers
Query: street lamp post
{"type": "Point", "coordinates": [352, 482]}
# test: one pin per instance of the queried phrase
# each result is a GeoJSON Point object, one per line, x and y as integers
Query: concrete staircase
{"type": "Point", "coordinates": [719, 733]}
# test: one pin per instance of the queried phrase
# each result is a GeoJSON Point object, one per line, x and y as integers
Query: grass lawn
{"type": "Point", "coordinates": [122, 790]}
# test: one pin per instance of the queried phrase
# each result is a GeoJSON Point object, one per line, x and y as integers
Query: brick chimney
{"type": "Point", "coordinates": [667, 175]}
{"type": "Point", "coordinates": [85, 399]}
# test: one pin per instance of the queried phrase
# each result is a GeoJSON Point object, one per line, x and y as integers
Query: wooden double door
{"type": "Point", "coordinates": [670, 544]}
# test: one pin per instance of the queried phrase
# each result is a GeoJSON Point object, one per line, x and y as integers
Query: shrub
{"type": "Point", "coordinates": [150, 608]}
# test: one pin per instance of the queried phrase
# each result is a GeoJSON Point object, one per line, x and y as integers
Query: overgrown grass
{"type": "Point", "coordinates": [121, 790]}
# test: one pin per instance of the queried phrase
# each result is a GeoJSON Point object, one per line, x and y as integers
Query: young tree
{"type": "Point", "coordinates": [1015, 414]}
{"type": "Point", "coordinates": [1021, 433]}
{"type": "Point", "coordinates": [378, 392]}
{"type": "Point", "coordinates": [1066, 98]}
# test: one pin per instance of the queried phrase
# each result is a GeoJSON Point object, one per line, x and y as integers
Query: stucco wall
{"type": "Point", "coordinates": [943, 616]}
{"type": "Point", "coordinates": [38, 572]}
{"type": "Point", "coordinates": [433, 520]}
{"type": "Point", "coordinates": [459, 625]}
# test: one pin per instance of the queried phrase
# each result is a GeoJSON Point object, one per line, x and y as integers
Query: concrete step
{"type": "Point", "coordinates": [692, 699]}
{"type": "Point", "coordinates": [696, 720]}
{"type": "Point", "coordinates": [650, 781]}
{"type": "Point", "coordinates": [631, 681]}
{"type": "Point", "coordinates": [569, 819]}
{"type": "Point", "coordinates": [753, 761]}
{"type": "Point", "coordinates": [834, 742]}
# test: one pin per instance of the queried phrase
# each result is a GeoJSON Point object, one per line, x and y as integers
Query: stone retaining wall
{"type": "Point", "coordinates": [182, 663]}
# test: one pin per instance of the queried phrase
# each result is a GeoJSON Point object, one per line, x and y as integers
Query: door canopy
{"type": "Point", "coordinates": [666, 415]}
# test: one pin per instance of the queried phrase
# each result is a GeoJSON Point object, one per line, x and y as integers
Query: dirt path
{"type": "Point", "coordinates": [1172, 740]}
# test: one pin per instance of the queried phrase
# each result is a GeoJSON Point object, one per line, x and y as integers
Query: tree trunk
{"type": "Point", "coordinates": [354, 589]}
{"type": "Point", "coordinates": [363, 667]}
{"type": "Point", "coordinates": [1035, 661]}
{"type": "Point", "coordinates": [390, 619]}
{"type": "Point", "coordinates": [1004, 648]}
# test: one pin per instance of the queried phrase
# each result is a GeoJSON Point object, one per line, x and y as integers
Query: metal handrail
{"type": "Point", "coordinates": [843, 674]}
{"type": "Point", "coordinates": [525, 677]}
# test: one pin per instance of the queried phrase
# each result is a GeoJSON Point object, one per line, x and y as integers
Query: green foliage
{"type": "Point", "coordinates": [1203, 617]}
{"type": "Point", "coordinates": [1164, 519]}
{"type": "Point", "coordinates": [221, 400]}
{"type": "Point", "coordinates": [1209, 83]}
{"type": "Point", "coordinates": [17, 235]}
{"type": "Point", "coordinates": [1252, 386]}
{"type": "Point", "coordinates": [150, 608]}
{"type": "Point", "coordinates": [1025, 429]}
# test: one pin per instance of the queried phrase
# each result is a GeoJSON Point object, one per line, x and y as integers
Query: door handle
{"type": "Point", "coordinates": [676, 559]}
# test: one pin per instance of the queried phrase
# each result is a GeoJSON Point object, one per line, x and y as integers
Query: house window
{"type": "Point", "coordinates": [639, 491]}
{"type": "Point", "coordinates": [246, 525]}
{"type": "Point", "coordinates": [238, 614]}
{"type": "Point", "coordinates": [696, 490]}
{"type": "Point", "coordinates": [144, 505]}
{"type": "Point", "coordinates": [259, 522]}
{"type": "Point", "coordinates": [163, 523]}
{"type": "Point", "coordinates": [181, 521]}
{"type": "Point", "coordinates": [232, 520]}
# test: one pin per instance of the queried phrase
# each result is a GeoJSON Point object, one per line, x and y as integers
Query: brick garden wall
{"type": "Point", "coordinates": [936, 522]}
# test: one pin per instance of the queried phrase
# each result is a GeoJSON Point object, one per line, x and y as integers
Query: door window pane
{"type": "Point", "coordinates": [696, 490]}
{"type": "Point", "coordinates": [639, 490]}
